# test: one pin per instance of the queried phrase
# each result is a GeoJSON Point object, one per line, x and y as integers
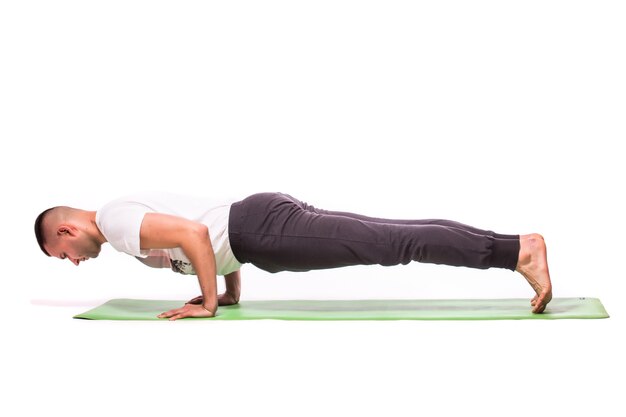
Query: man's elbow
{"type": "Point", "coordinates": [195, 239]}
{"type": "Point", "coordinates": [200, 231]}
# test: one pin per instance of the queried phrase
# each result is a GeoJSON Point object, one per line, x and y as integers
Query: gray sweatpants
{"type": "Point", "coordinates": [277, 232]}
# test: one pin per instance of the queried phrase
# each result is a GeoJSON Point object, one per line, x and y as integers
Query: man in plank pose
{"type": "Point", "coordinates": [275, 232]}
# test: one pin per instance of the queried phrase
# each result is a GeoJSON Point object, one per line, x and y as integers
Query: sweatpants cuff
{"type": "Point", "coordinates": [505, 253]}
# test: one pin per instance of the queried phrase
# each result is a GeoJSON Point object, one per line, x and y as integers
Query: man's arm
{"type": "Point", "coordinates": [233, 286]}
{"type": "Point", "coordinates": [162, 231]}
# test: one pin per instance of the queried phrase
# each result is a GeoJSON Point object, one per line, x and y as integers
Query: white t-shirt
{"type": "Point", "coordinates": [120, 223]}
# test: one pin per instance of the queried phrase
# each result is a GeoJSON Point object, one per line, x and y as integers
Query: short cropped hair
{"type": "Point", "coordinates": [39, 229]}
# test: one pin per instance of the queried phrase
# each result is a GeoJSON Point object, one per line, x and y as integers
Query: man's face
{"type": "Point", "coordinates": [72, 244]}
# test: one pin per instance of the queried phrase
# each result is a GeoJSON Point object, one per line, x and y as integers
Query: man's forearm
{"type": "Point", "coordinates": [208, 286]}
{"type": "Point", "coordinates": [200, 253]}
{"type": "Point", "coordinates": [233, 284]}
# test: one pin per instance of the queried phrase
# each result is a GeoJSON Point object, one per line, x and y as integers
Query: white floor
{"type": "Point", "coordinates": [60, 366]}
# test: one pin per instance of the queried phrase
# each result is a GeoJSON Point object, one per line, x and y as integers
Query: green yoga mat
{"type": "Point", "coordinates": [473, 309]}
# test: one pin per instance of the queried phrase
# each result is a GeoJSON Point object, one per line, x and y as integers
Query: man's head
{"type": "Point", "coordinates": [68, 233]}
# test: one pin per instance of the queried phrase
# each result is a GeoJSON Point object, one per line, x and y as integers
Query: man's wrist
{"type": "Point", "coordinates": [234, 296]}
{"type": "Point", "coordinates": [208, 309]}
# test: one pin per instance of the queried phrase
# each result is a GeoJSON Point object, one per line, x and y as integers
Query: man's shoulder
{"type": "Point", "coordinates": [121, 210]}
{"type": "Point", "coordinates": [129, 201]}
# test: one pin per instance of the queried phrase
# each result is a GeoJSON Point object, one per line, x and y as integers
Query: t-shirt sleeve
{"type": "Point", "coordinates": [120, 223]}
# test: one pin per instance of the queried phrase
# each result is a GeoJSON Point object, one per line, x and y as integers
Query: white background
{"type": "Point", "coordinates": [503, 115]}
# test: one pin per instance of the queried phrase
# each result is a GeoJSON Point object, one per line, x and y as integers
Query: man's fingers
{"type": "Point", "coordinates": [182, 314]}
{"type": "Point", "coordinates": [188, 310]}
{"type": "Point", "coordinates": [173, 315]}
{"type": "Point", "coordinates": [170, 313]}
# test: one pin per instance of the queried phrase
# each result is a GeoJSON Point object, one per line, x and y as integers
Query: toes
{"type": "Point", "coordinates": [541, 301]}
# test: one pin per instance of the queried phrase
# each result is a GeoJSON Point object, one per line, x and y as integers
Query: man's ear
{"type": "Point", "coordinates": [66, 230]}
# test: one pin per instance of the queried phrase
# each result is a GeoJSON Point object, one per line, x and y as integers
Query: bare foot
{"type": "Point", "coordinates": [533, 265]}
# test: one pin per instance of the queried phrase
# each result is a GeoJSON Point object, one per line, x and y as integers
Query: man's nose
{"type": "Point", "coordinates": [74, 261]}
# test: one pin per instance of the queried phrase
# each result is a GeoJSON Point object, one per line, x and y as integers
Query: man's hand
{"type": "Point", "coordinates": [226, 299]}
{"type": "Point", "coordinates": [188, 310]}
{"type": "Point", "coordinates": [198, 300]}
